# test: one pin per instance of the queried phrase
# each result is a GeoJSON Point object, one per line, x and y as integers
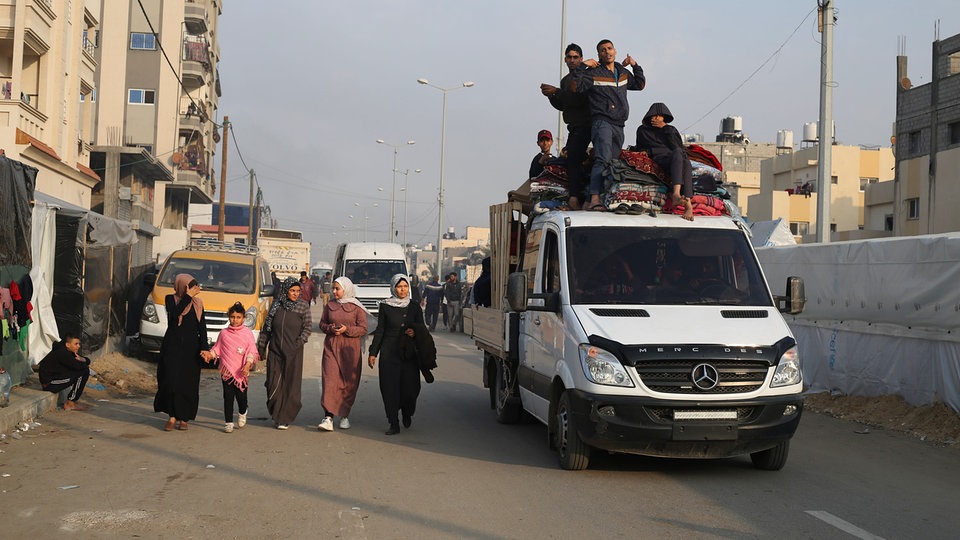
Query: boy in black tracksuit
{"type": "Point", "coordinates": [63, 368]}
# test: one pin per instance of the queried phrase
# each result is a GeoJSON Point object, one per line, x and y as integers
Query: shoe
{"type": "Point", "coordinates": [241, 420]}
{"type": "Point", "coordinates": [344, 423]}
{"type": "Point", "coordinates": [326, 424]}
{"type": "Point", "coordinates": [394, 429]}
{"type": "Point", "coordinates": [623, 208]}
{"type": "Point", "coordinates": [183, 425]}
{"type": "Point", "coordinates": [283, 426]}
{"type": "Point", "coordinates": [427, 375]}
{"type": "Point", "coordinates": [407, 420]}
{"type": "Point", "coordinates": [170, 424]}
{"type": "Point", "coordinates": [228, 427]}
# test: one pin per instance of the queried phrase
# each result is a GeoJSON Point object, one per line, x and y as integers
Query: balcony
{"type": "Point", "coordinates": [195, 18]}
{"type": "Point", "coordinates": [194, 75]}
{"type": "Point", "coordinates": [197, 184]}
{"type": "Point", "coordinates": [20, 113]}
{"type": "Point", "coordinates": [191, 123]}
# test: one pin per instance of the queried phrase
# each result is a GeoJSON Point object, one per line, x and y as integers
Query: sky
{"type": "Point", "coordinates": [310, 86]}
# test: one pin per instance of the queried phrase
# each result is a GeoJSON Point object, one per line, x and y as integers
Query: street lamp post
{"type": "Point", "coordinates": [365, 217]}
{"type": "Point", "coordinates": [406, 177]}
{"type": "Point", "coordinates": [393, 197]}
{"type": "Point", "coordinates": [443, 140]}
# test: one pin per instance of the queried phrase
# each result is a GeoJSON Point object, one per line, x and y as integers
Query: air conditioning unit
{"type": "Point", "coordinates": [124, 194]}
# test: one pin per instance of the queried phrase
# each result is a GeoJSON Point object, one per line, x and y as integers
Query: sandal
{"type": "Point", "coordinates": [169, 425]}
{"type": "Point", "coordinates": [598, 207]}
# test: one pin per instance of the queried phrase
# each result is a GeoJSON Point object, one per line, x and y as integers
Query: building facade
{"type": "Point", "coordinates": [788, 190]}
{"type": "Point", "coordinates": [927, 183]}
{"type": "Point", "coordinates": [47, 66]}
{"type": "Point", "coordinates": [155, 113]}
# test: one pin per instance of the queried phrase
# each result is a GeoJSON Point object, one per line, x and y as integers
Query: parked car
{"type": "Point", "coordinates": [226, 274]}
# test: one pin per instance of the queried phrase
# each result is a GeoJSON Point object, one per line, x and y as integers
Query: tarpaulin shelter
{"type": "Point", "coordinates": [76, 260]}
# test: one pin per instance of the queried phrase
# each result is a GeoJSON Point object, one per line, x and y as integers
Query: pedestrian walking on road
{"type": "Point", "coordinates": [403, 344]}
{"type": "Point", "coordinates": [285, 332]}
{"type": "Point", "coordinates": [235, 353]}
{"type": "Point", "coordinates": [178, 369]}
{"type": "Point", "coordinates": [433, 295]}
{"type": "Point", "coordinates": [344, 322]}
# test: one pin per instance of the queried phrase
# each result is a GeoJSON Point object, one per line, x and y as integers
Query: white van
{"type": "Point", "coordinates": [370, 265]}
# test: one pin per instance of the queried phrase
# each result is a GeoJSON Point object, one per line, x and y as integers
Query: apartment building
{"type": "Point", "coordinates": [789, 182]}
{"type": "Point", "coordinates": [927, 185]}
{"type": "Point", "coordinates": [741, 164]}
{"type": "Point", "coordinates": [155, 112]}
{"type": "Point", "coordinates": [47, 81]}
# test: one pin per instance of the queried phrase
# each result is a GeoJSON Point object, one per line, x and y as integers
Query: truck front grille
{"type": "Point", "coordinates": [216, 320]}
{"type": "Point", "coordinates": [677, 376]}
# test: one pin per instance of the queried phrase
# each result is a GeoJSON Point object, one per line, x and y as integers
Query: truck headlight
{"type": "Point", "coordinates": [602, 367]}
{"type": "Point", "coordinates": [149, 312]}
{"type": "Point", "coordinates": [250, 317]}
{"type": "Point", "coordinates": [788, 370]}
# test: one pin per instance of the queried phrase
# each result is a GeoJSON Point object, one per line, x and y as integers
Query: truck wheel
{"type": "Point", "coordinates": [773, 459]}
{"type": "Point", "coordinates": [574, 453]}
{"type": "Point", "coordinates": [508, 408]}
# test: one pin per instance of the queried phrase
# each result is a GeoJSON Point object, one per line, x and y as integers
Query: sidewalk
{"type": "Point", "coordinates": [27, 402]}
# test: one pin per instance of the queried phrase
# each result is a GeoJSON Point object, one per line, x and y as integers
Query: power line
{"type": "Point", "coordinates": [745, 81]}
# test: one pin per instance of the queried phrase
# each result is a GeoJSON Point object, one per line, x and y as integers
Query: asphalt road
{"type": "Point", "coordinates": [113, 472]}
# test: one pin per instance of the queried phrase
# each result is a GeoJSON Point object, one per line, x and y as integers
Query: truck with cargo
{"type": "Point", "coordinates": [639, 334]}
{"type": "Point", "coordinates": [285, 251]}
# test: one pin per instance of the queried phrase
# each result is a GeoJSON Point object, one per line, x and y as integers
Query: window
{"type": "Point", "coordinates": [913, 144]}
{"type": "Point", "coordinates": [865, 181]}
{"type": "Point", "coordinates": [954, 129]}
{"type": "Point", "coordinates": [799, 228]}
{"type": "Point", "coordinates": [551, 270]}
{"type": "Point", "coordinates": [913, 208]}
{"type": "Point", "coordinates": [141, 97]}
{"type": "Point", "coordinates": [888, 222]}
{"type": "Point", "coordinates": [140, 40]}
{"type": "Point", "coordinates": [834, 180]}
{"type": "Point", "coordinates": [833, 227]}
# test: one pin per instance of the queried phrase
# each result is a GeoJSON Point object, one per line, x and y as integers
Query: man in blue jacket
{"type": "Point", "coordinates": [606, 83]}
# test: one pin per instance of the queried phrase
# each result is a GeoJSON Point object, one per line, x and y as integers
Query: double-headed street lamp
{"type": "Point", "coordinates": [393, 197]}
{"type": "Point", "coordinates": [365, 218]}
{"type": "Point", "coordinates": [406, 177]}
{"type": "Point", "coordinates": [443, 137]}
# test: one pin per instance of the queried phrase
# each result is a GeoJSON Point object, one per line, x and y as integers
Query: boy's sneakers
{"type": "Point", "coordinates": [344, 423]}
{"type": "Point", "coordinates": [326, 424]}
{"type": "Point", "coordinates": [241, 420]}
{"type": "Point", "coordinates": [228, 427]}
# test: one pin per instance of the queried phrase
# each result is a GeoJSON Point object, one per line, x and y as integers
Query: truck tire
{"type": "Point", "coordinates": [507, 406]}
{"type": "Point", "coordinates": [772, 459]}
{"type": "Point", "coordinates": [574, 453]}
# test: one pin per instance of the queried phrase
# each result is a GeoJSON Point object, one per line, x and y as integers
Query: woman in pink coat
{"type": "Point", "coordinates": [344, 322]}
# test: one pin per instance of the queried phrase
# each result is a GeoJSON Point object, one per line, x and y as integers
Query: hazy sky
{"type": "Point", "coordinates": [309, 86]}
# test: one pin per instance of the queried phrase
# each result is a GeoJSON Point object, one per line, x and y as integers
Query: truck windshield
{"type": "Point", "coordinates": [373, 271]}
{"type": "Point", "coordinates": [219, 276]}
{"type": "Point", "coordinates": [663, 266]}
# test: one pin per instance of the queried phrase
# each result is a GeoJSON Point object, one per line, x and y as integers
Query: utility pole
{"type": "Point", "coordinates": [824, 160]}
{"type": "Point", "coordinates": [223, 178]}
{"type": "Point", "coordinates": [250, 226]}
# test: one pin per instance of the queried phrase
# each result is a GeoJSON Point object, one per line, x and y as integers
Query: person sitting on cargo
{"type": "Point", "coordinates": [663, 143]}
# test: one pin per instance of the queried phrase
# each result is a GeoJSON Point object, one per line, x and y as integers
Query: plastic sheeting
{"type": "Point", "coordinates": [43, 331]}
{"type": "Point", "coordinates": [17, 182]}
{"type": "Point", "coordinates": [771, 233]}
{"type": "Point", "coordinates": [881, 316]}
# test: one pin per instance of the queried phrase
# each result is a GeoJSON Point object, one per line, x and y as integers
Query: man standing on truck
{"type": "Point", "coordinates": [576, 114]}
{"type": "Point", "coordinates": [544, 141]}
{"type": "Point", "coordinates": [606, 83]}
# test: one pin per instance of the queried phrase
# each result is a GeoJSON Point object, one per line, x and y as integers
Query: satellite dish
{"type": "Point", "coordinates": [905, 83]}
{"type": "Point", "coordinates": [176, 158]}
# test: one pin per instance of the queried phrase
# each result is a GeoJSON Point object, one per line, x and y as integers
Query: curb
{"type": "Point", "coordinates": [26, 403]}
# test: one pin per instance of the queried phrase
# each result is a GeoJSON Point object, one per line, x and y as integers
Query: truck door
{"type": "Point", "coordinates": [543, 328]}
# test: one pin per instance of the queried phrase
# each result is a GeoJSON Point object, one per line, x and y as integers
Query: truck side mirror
{"type": "Point", "coordinates": [517, 292]}
{"type": "Point", "coordinates": [267, 290]}
{"type": "Point", "coordinates": [792, 303]}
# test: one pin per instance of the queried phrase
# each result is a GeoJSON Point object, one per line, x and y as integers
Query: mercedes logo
{"type": "Point", "coordinates": [705, 376]}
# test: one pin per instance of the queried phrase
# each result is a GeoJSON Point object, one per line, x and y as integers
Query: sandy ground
{"type": "Point", "coordinates": [936, 424]}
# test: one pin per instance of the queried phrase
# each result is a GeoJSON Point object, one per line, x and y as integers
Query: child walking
{"type": "Point", "coordinates": [236, 350]}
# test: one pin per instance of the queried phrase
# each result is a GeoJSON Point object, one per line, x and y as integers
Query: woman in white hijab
{"type": "Point", "coordinates": [344, 322]}
{"type": "Point", "coordinates": [398, 325]}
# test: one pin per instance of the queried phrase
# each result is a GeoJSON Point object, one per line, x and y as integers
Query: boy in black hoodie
{"type": "Point", "coordinates": [663, 143]}
{"type": "Point", "coordinates": [63, 368]}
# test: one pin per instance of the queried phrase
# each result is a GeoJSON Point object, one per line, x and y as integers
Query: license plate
{"type": "Point", "coordinates": [705, 415]}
